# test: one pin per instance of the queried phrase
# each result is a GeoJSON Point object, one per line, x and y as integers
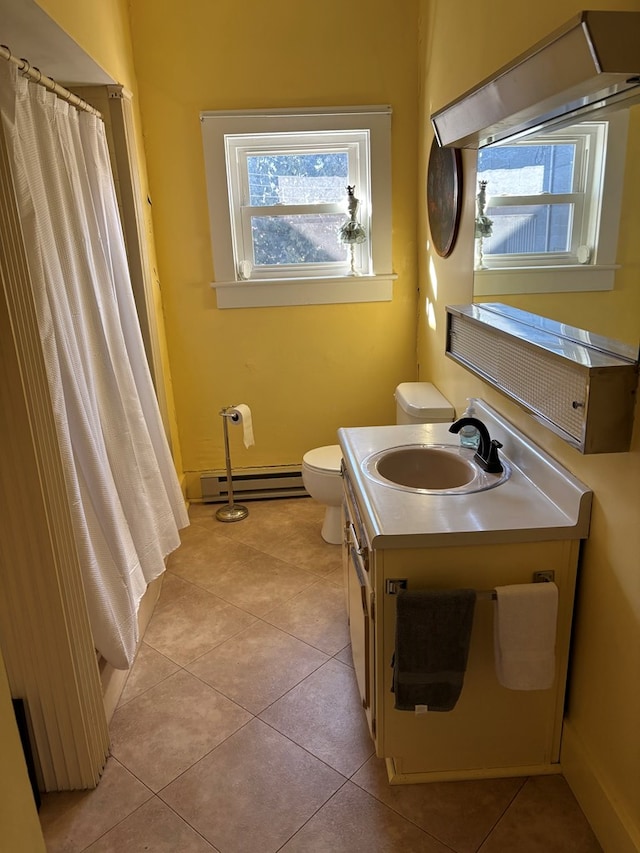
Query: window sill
{"type": "Point", "coordinates": [304, 291]}
{"type": "Point", "coordinates": [565, 279]}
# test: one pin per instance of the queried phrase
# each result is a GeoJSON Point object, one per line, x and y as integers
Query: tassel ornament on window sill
{"type": "Point", "coordinates": [483, 225]}
{"type": "Point", "coordinates": [352, 232]}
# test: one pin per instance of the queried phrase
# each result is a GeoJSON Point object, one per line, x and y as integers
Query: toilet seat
{"type": "Point", "coordinates": [324, 460]}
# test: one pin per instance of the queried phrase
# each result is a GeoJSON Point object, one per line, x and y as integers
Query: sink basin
{"type": "Point", "coordinates": [425, 468]}
{"type": "Point", "coordinates": [431, 469]}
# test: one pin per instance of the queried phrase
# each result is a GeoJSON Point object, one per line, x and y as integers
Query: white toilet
{"type": "Point", "coordinates": [416, 402]}
{"type": "Point", "coordinates": [321, 478]}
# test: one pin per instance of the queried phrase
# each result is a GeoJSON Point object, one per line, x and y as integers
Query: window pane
{"type": "Point", "coordinates": [297, 178]}
{"type": "Point", "coordinates": [308, 239]}
{"type": "Point", "coordinates": [527, 169]}
{"type": "Point", "coordinates": [529, 229]}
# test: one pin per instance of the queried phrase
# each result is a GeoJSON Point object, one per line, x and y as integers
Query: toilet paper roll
{"type": "Point", "coordinates": [241, 414]}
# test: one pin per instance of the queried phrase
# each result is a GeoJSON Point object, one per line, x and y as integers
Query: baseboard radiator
{"type": "Point", "coordinates": [253, 484]}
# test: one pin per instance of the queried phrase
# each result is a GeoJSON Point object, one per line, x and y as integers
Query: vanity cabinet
{"type": "Point", "coordinates": [534, 523]}
{"type": "Point", "coordinates": [492, 731]}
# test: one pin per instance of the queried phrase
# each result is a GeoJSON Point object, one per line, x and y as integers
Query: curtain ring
{"type": "Point", "coordinates": [26, 65]}
{"type": "Point", "coordinates": [33, 70]}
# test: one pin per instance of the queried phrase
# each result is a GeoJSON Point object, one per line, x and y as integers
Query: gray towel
{"type": "Point", "coordinates": [433, 629]}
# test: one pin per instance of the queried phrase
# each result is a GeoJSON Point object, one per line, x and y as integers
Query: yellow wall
{"type": "Point", "coordinates": [601, 748]}
{"type": "Point", "coordinates": [304, 371]}
{"type": "Point", "coordinates": [19, 825]}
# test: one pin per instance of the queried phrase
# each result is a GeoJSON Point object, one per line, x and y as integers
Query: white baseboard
{"type": "Point", "coordinates": [611, 823]}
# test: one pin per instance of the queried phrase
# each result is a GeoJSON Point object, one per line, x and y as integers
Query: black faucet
{"type": "Point", "coordinates": [487, 454]}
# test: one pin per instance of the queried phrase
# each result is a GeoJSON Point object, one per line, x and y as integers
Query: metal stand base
{"type": "Point", "coordinates": [235, 512]}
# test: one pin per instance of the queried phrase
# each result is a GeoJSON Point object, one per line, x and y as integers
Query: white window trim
{"type": "Point", "coordinates": [231, 291]}
{"type": "Point", "coordinates": [598, 276]}
{"type": "Point", "coordinates": [355, 144]}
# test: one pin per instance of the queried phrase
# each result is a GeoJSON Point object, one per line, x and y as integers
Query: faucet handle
{"type": "Point", "coordinates": [491, 464]}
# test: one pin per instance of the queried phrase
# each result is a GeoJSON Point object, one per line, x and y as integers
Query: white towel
{"type": "Point", "coordinates": [525, 635]}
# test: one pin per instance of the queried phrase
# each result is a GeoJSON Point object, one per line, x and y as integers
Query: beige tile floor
{"type": "Point", "coordinates": [240, 731]}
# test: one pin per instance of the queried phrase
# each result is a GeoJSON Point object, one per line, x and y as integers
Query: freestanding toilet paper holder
{"type": "Point", "coordinates": [232, 511]}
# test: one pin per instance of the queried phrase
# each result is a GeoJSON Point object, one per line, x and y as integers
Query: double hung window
{"type": "Point", "coordinates": [551, 201]}
{"type": "Point", "coordinates": [278, 186]}
{"type": "Point", "coordinates": [288, 200]}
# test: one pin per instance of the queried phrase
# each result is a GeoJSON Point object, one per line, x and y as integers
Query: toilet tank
{"type": "Point", "coordinates": [421, 403]}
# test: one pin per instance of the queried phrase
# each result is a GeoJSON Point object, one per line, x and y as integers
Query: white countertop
{"type": "Point", "coordinates": [541, 500]}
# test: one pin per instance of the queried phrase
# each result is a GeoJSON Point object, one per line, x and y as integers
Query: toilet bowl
{"type": "Point", "coordinates": [321, 478]}
{"type": "Point", "coordinates": [416, 402]}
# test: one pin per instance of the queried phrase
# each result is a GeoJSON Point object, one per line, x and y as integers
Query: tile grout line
{"type": "Point", "coordinates": [503, 814]}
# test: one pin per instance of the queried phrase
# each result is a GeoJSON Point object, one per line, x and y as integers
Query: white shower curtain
{"type": "Point", "coordinates": [125, 499]}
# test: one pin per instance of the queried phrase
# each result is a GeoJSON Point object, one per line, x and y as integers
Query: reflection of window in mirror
{"type": "Point", "coordinates": [553, 201]}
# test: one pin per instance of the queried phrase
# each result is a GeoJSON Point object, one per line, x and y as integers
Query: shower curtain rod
{"type": "Point", "coordinates": [34, 74]}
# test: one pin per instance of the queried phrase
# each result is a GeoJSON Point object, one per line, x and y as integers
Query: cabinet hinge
{"type": "Point", "coordinates": [372, 606]}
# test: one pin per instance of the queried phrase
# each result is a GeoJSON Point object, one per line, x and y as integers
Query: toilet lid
{"type": "Point", "coordinates": [326, 458]}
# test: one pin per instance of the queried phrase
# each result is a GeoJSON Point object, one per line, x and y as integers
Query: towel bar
{"type": "Point", "coordinates": [394, 585]}
{"type": "Point", "coordinates": [488, 594]}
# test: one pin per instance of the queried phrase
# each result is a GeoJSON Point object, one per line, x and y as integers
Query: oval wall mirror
{"type": "Point", "coordinates": [444, 196]}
